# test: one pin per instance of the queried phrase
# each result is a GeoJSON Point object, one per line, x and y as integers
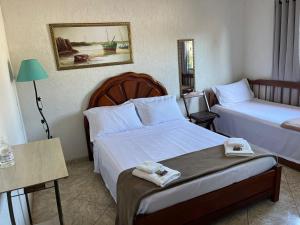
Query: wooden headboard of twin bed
{"type": "Point", "coordinates": [285, 92]}
{"type": "Point", "coordinates": [117, 90]}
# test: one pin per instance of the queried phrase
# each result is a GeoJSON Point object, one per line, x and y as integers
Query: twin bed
{"type": "Point", "coordinates": [195, 202]}
{"type": "Point", "coordinates": [260, 119]}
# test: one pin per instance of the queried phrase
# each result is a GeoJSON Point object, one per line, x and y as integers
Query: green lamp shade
{"type": "Point", "coordinates": [30, 70]}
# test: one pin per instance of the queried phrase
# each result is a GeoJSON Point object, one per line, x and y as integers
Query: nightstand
{"type": "Point", "coordinates": [37, 163]}
{"type": "Point", "coordinates": [203, 118]}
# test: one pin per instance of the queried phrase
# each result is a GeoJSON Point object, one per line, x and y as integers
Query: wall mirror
{"type": "Point", "coordinates": [186, 62]}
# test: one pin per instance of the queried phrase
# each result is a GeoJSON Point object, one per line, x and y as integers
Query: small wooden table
{"type": "Point", "coordinates": [36, 164]}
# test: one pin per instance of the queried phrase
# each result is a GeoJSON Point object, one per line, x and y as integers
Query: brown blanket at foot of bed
{"type": "Point", "coordinates": [131, 190]}
{"type": "Point", "coordinates": [293, 124]}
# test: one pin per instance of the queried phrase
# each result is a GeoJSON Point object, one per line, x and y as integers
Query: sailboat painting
{"type": "Point", "coordinates": [81, 45]}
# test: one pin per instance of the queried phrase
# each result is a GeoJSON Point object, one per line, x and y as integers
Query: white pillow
{"type": "Point", "coordinates": [157, 110]}
{"type": "Point", "coordinates": [233, 93]}
{"type": "Point", "coordinates": [111, 119]}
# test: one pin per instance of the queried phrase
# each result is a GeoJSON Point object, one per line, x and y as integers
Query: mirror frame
{"type": "Point", "coordinates": [179, 64]}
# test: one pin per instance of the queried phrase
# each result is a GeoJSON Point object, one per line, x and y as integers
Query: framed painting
{"type": "Point", "coordinates": [82, 45]}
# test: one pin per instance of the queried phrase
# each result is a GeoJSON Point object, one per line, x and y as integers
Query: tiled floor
{"type": "Point", "coordinates": [86, 201]}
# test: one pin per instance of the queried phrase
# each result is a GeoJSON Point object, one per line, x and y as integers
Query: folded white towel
{"type": "Point", "coordinates": [157, 179]}
{"type": "Point", "coordinates": [243, 144]}
{"type": "Point", "coordinates": [149, 167]}
{"type": "Point", "coordinates": [235, 142]}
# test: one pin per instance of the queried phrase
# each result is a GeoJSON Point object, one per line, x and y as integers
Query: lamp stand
{"type": "Point", "coordinates": [40, 108]}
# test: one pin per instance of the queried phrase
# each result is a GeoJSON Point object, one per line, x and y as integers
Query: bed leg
{"type": "Point", "coordinates": [277, 181]}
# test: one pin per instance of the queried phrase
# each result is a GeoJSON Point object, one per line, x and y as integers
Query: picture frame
{"type": "Point", "coordinates": [84, 45]}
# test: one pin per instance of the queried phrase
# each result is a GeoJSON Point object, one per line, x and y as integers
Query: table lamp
{"type": "Point", "coordinates": [32, 70]}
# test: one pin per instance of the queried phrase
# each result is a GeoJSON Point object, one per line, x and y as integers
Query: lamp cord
{"type": "Point", "coordinates": [39, 105]}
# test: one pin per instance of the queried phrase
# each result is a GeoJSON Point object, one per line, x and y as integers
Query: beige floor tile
{"type": "Point", "coordinates": [53, 221]}
{"type": "Point", "coordinates": [108, 218]}
{"type": "Point", "coordinates": [295, 190]}
{"type": "Point", "coordinates": [292, 176]}
{"type": "Point", "coordinates": [282, 212]}
{"type": "Point", "coordinates": [293, 180]}
{"type": "Point", "coordinates": [283, 174]}
{"type": "Point", "coordinates": [82, 213]}
{"type": "Point", "coordinates": [44, 206]}
{"type": "Point", "coordinates": [80, 167]}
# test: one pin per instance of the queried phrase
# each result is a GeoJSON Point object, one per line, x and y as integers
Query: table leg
{"type": "Point", "coordinates": [10, 208]}
{"type": "Point", "coordinates": [28, 209]}
{"type": "Point", "coordinates": [213, 126]}
{"type": "Point", "coordinates": [207, 125]}
{"type": "Point", "coordinates": [58, 202]}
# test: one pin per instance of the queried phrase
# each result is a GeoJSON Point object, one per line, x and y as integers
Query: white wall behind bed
{"type": "Point", "coordinates": [216, 26]}
{"type": "Point", "coordinates": [258, 45]}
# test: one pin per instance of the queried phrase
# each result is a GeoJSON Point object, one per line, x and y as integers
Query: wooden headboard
{"type": "Point", "coordinates": [117, 90]}
{"type": "Point", "coordinates": [287, 92]}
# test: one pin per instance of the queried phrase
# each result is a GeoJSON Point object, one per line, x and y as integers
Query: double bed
{"type": "Point", "coordinates": [194, 202]}
{"type": "Point", "coordinates": [179, 137]}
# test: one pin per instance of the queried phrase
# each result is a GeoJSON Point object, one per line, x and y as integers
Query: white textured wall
{"type": "Point", "coordinates": [216, 26]}
{"type": "Point", "coordinates": [259, 26]}
{"type": "Point", "coordinates": [11, 125]}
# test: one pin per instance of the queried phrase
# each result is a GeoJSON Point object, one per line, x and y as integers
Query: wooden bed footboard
{"type": "Point", "coordinates": [206, 208]}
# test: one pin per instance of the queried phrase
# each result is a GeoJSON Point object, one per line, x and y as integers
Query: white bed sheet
{"type": "Point", "coordinates": [259, 122]}
{"type": "Point", "coordinates": [117, 152]}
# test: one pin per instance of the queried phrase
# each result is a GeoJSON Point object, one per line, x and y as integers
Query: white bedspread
{"type": "Point", "coordinates": [117, 152]}
{"type": "Point", "coordinates": [259, 122]}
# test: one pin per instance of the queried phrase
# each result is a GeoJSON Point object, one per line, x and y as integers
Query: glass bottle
{"type": "Point", "coordinates": [6, 154]}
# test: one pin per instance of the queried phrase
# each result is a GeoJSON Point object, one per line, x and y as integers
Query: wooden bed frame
{"type": "Point", "coordinates": [202, 209]}
{"type": "Point", "coordinates": [285, 92]}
